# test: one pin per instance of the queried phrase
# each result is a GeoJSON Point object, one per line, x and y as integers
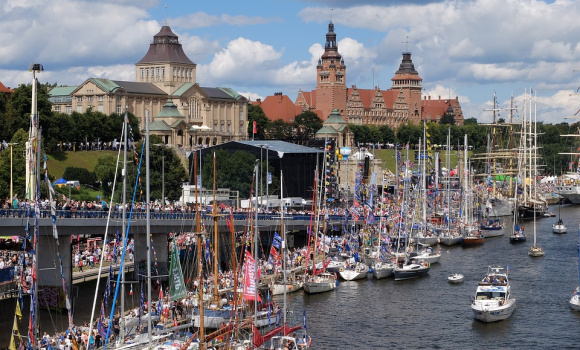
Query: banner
{"type": "Point", "coordinates": [277, 242]}
{"type": "Point", "coordinates": [176, 282]}
{"type": "Point", "coordinates": [250, 278]}
{"type": "Point", "coordinates": [255, 127]}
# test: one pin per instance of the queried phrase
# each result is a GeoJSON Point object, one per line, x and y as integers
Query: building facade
{"type": "Point", "coordinates": [165, 76]}
{"type": "Point", "coordinates": [399, 105]}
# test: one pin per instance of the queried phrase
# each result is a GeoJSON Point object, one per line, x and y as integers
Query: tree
{"type": "Point", "coordinates": [19, 107]}
{"type": "Point", "coordinates": [233, 170]}
{"type": "Point", "coordinates": [470, 121]}
{"type": "Point", "coordinates": [256, 114]}
{"type": "Point", "coordinates": [387, 134]}
{"type": "Point", "coordinates": [307, 124]}
{"type": "Point", "coordinates": [18, 168]}
{"type": "Point", "coordinates": [447, 119]}
{"type": "Point", "coordinates": [279, 130]}
{"type": "Point", "coordinates": [409, 133]}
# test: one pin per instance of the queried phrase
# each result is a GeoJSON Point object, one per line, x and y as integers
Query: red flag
{"type": "Point", "coordinates": [255, 127]}
{"type": "Point", "coordinates": [274, 253]}
{"type": "Point", "coordinates": [250, 278]}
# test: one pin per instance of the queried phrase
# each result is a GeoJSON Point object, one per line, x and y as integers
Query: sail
{"type": "Point", "coordinates": [250, 278]}
{"type": "Point", "coordinates": [176, 281]}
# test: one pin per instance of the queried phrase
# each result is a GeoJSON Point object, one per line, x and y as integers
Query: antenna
{"type": "Point", "coordinates": [165, 21]}
{"type": "Point", "coordinates": [407, 42]}
{"type": "Point", "coordinates": [331, 10]}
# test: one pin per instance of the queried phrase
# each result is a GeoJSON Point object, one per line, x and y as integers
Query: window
{"type": "Point", "coordinates": [147, 72]}
{"type": "Point", "coordinates": [90, 98]}
{"type": "Point", "coordinates": [79, 99]}
{"type": "Point", "coordinates": [100, 98]}
{"type": "Point", "coordinates": [157, 71]}
{"type": "Point", "coordinates": [80, 109]}
{"type": "Point", "coordinates": [101, 109]}
{"type": "Point", "coordinates": [68, 110]}
{"type": "Point", "coordinates": [57, 109]}
{"type": "Point", "coordinates": [163, 71]}
{"type": "Point", "coordinates": [142, 72]}
{"type": "Point", "coordinates": [119, 111]}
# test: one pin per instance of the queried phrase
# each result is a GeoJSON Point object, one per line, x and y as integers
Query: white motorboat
{"type": "Point", "coordinates": [354, 272]}
{"type": "Point", "coordinates": [455, 278]}
{"type": "Point", "coordinates": [559, 227]}
{"type": "Point", "coordinates": [492, 301]}
{"type": "Point", "coordinates": [323, 282]}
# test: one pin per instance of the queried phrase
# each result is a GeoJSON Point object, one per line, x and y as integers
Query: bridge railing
{"type": "Point", "coordinates": [102, 214]}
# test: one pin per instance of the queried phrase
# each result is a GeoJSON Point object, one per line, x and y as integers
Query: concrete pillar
{"type": "Point", "coordinates": [160, 255]}
{"type": "Point", "coordinates": [48, 274]}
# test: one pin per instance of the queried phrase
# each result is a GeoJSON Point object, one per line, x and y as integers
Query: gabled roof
{"type": "Point", "coordinates": [61, 91]}
{"type": "Point", "coordinates": [216, 93]}
{"type": "Point", "coordinates": [139, 88]}
{"type": "Point", "coordinates": [279, 107]}
{"type": "Point", "coordinates": [433, 108]}
{"type": "Point", "coordinates": [5, 89]}
{"type": "Point", "coordinates": [309, 97]}
{"type": "Point", "coordinates": [326, 130]}
{"type": "Point", "coordinates": [183, 89]}
{"type": "Point", "coordinates": [159, 125]}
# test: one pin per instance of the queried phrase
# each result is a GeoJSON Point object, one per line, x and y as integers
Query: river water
{"type": "Point", "coordinates": [430, 313]}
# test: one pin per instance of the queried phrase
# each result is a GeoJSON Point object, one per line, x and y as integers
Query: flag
{"type": "Point", "coordinates": [255, 127]}
{"type": "Point", "coordinates": [18, 311]}
{"type": "Point", "coordinates": [250, 278]}
{"type": "Point", "coordinates": [160, 301]}
{"type": "Point", "coordinates": [274, 256]}
{"type": "Point", "coordinates": [101, 328]}
{"type": "Point", "coordinates": [176, 282]}
{"type": "Point", "coordinates": [277, 241]}
{"type": "Point", "coordinates": [131, 290]}
{"type": "Point", "coordinates": [304, 325]}
{"type": "Point", "coordinates": [16, 332]}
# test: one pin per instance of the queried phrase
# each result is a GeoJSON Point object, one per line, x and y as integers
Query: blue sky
{"type": "Point", "coordinates": [464, 48]}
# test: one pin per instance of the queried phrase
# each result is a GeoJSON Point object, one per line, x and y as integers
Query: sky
{"type": "Point", "coordinates": [470, 49]}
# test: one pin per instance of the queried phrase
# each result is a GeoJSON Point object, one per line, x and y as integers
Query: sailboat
{"type": "Point", "coordinates": [448, 236]}
{"type": "Point", "coordinates": [471, 234]}
{"type": "Point", "coordinates": [535, 250]}
{"type": "Point", "coordinates": [575, 300]}
{"type": "Point", "coordinates": [559, 226]}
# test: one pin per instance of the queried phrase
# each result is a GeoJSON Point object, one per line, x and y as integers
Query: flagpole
{"type": "Point", "coordinates": [148, 231]}
{"type": "Point", "coordinates": [256, 170]}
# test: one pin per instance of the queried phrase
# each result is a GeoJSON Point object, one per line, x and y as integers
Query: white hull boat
{"type": "Point", "coordinates": [455, 278]}
{"type": "Point", "coordinates": [559, 227]}
{"type": "Point", "coordinates": [357, 272]}
{"type": "Point", "coordinates": [382, 270]}
{"type": "Point", "coordinates": [449, 240]}
{"type": "Point", "coordinates": [493, 301]}
{"type": "Point", "coordinates": [278, 288]}
{"type": "Point", "coordinates": [575, 302]}
{"type": "Point", "coordinates": [324, 282]}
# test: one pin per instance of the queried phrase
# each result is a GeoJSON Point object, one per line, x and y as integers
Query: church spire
{"type": "Point", "coordinates": [331, 47]}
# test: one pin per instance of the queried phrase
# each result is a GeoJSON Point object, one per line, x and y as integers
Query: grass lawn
{"type": "Point", "coordinates": [59, 161]}
{"type": "Point", "coordinates": [388, 157]}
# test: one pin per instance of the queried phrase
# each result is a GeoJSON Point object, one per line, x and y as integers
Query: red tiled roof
{"type": "Point", "coordinates": [5, 89]}
{"type": "Point", "coordinates": [406, 77]}
{"type": "Point", "coordinates": [279, 107]}
{"type": "Point", "coordinates": [432, 108]}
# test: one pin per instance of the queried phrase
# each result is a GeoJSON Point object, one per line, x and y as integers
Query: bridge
{"type": "Point", "coordinates": [93, 223]}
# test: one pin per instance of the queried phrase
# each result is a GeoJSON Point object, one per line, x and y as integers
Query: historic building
{"type": "Point", "coordinates": [400, 104]}
{"type": "Point", "coordinates": [181, 111]}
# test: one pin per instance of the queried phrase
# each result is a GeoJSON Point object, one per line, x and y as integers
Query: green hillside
{"type": "Point", "coordinates": [59, 161]}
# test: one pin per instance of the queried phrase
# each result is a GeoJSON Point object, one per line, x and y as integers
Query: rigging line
{"type": "Point", "coordinates": [105, 249]}
{"type": "Point", "coordinates": [126, 234]}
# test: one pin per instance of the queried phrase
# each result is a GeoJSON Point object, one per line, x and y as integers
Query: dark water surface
{"type": "Point", "coordinates": [430, 313]}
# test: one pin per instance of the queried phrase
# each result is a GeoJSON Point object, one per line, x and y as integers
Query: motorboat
{"type": "Point", "coordinates": [455, 278]}
{"type": "Point", "coordinates": [492, 301]}
{"type": "Point", "coordinates": [354, 272]}
{"type": "Point", "coordinates": [320, 283]}
{"type": "Point", "coordinates": [410, 270]}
